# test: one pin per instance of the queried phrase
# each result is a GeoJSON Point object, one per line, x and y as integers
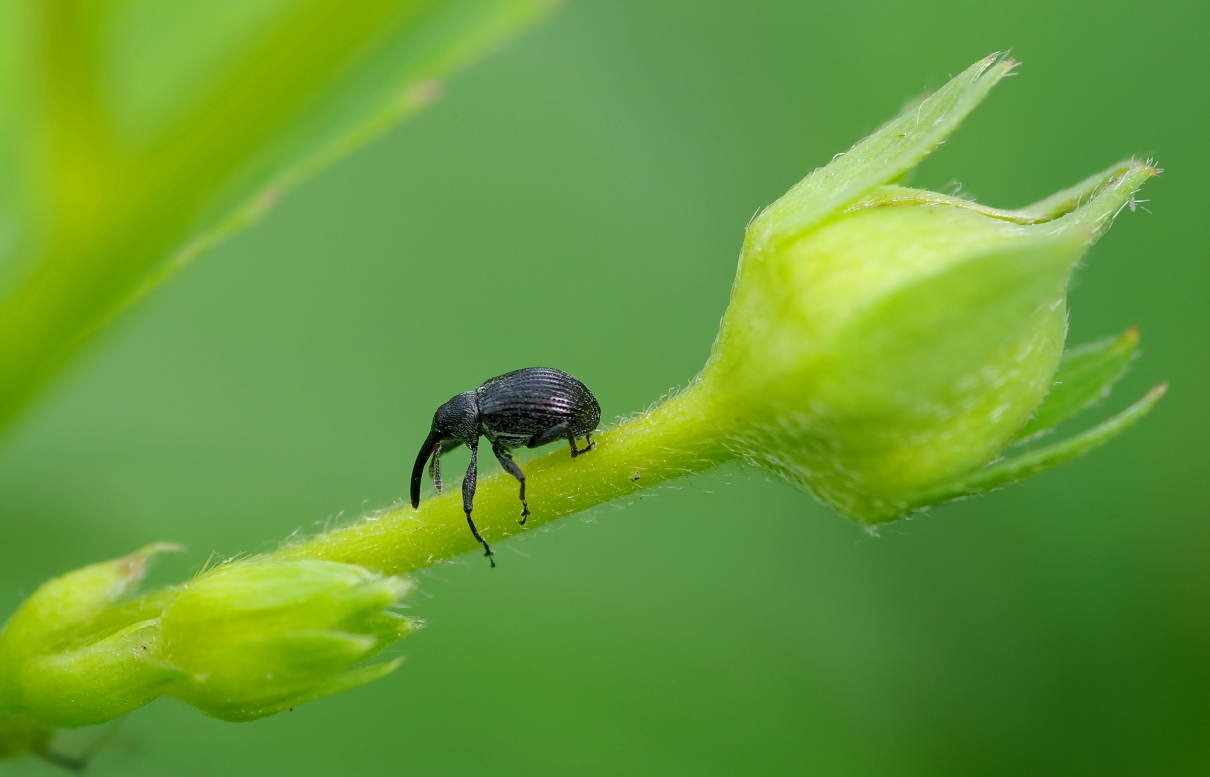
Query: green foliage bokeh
{"type": "Point", "coordinates": [578, 200]}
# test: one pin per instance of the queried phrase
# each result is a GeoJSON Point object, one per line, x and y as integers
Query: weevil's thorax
{"type": "Point", "coordinates": [459, 418]}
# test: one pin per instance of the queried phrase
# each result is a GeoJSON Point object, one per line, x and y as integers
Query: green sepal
{"type": "Point", "coordinates": [65, 611]}
{"type": "Point", "coordinates": [1095, 216]}
{"type": "Point", "coordinates": [1026, 465]}
{"type": "Point", "coordinates": [255, 675]}
{"type": "Point", "coordinates": [98, 682]}
{"type": "Point", "coordinates": [1085, 375]}
{"type": "Point", "coordinates": [341, 682]}
{"type": "Point", "coordinates": [1059, 204]}
{"type": "Point", "coordinates": [887, 155]}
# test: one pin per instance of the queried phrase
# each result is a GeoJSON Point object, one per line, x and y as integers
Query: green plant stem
{"type": "Point", "coordinates": [667, 442]}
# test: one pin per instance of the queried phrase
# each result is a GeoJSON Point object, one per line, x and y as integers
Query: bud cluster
{"type": "Point", "coordinates": [241, 641]}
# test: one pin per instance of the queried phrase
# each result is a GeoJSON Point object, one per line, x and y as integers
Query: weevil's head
{"type": "Point", "coordinates": [458, 418]}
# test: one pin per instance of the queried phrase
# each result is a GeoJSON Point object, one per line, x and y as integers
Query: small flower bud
{"type": "Point", "coordinates": [74, 656]}
{"type": "Point", "coordinates": [257, 637]}
{"type": "Point", "coordinates": [883, 342]}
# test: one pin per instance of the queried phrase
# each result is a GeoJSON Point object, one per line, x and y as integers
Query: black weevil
{"type": "Point", "coordinates": [529, 408]}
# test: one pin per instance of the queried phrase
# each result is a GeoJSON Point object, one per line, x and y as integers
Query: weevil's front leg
{"type": "Point", "coordinates": [511, 468]}
{"type": "Point", "coordinates": [445, 446]}
{"type": "Point", "coordinates": [468, 497]}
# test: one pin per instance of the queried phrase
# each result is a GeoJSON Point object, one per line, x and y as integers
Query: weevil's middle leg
{"type": "Point", "coordinates": [487, 549]}
{"type": "Point", "coordinates": [562, 430]}
{"type": "Point", "coordinates": [511, 468]}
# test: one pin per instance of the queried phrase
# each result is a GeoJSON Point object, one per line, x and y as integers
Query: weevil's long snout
{"type": "Point", "coordinates": [426, 452]}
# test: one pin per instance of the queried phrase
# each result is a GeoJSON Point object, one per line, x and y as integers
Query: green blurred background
{"type": "Point", "coordinates": [578, 200]}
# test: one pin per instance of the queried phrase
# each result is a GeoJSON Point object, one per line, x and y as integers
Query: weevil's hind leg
{"type": "Point", "coordinates": [511, 468]}
{"type": "Point", "coordinates": [571, 438]}
{"type": "Point", "coordinates": [556, 432]}
{"type": "Point", "coordinates": [468, 499]}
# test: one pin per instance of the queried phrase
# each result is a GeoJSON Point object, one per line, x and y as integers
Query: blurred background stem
{"type": "Point", "coordinates": [104, 207]}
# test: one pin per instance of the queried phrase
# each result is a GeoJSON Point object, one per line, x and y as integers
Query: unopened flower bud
{"type": "Point", "coordinates": [73, 655]}
{"type": "Point", "coordinates": [258, 637]}
{"type": "Point", "coordinates": [883, 343]}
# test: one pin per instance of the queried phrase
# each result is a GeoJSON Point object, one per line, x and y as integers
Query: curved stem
{"type": "Point", "coordinates": [676, 438]}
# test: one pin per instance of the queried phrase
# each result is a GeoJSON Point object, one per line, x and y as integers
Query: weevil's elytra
{"type": "Point", "coordinates": [523, 408]}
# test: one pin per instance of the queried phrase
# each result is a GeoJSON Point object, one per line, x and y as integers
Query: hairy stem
{"type": "Point", "coordinates": [674, 439]}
